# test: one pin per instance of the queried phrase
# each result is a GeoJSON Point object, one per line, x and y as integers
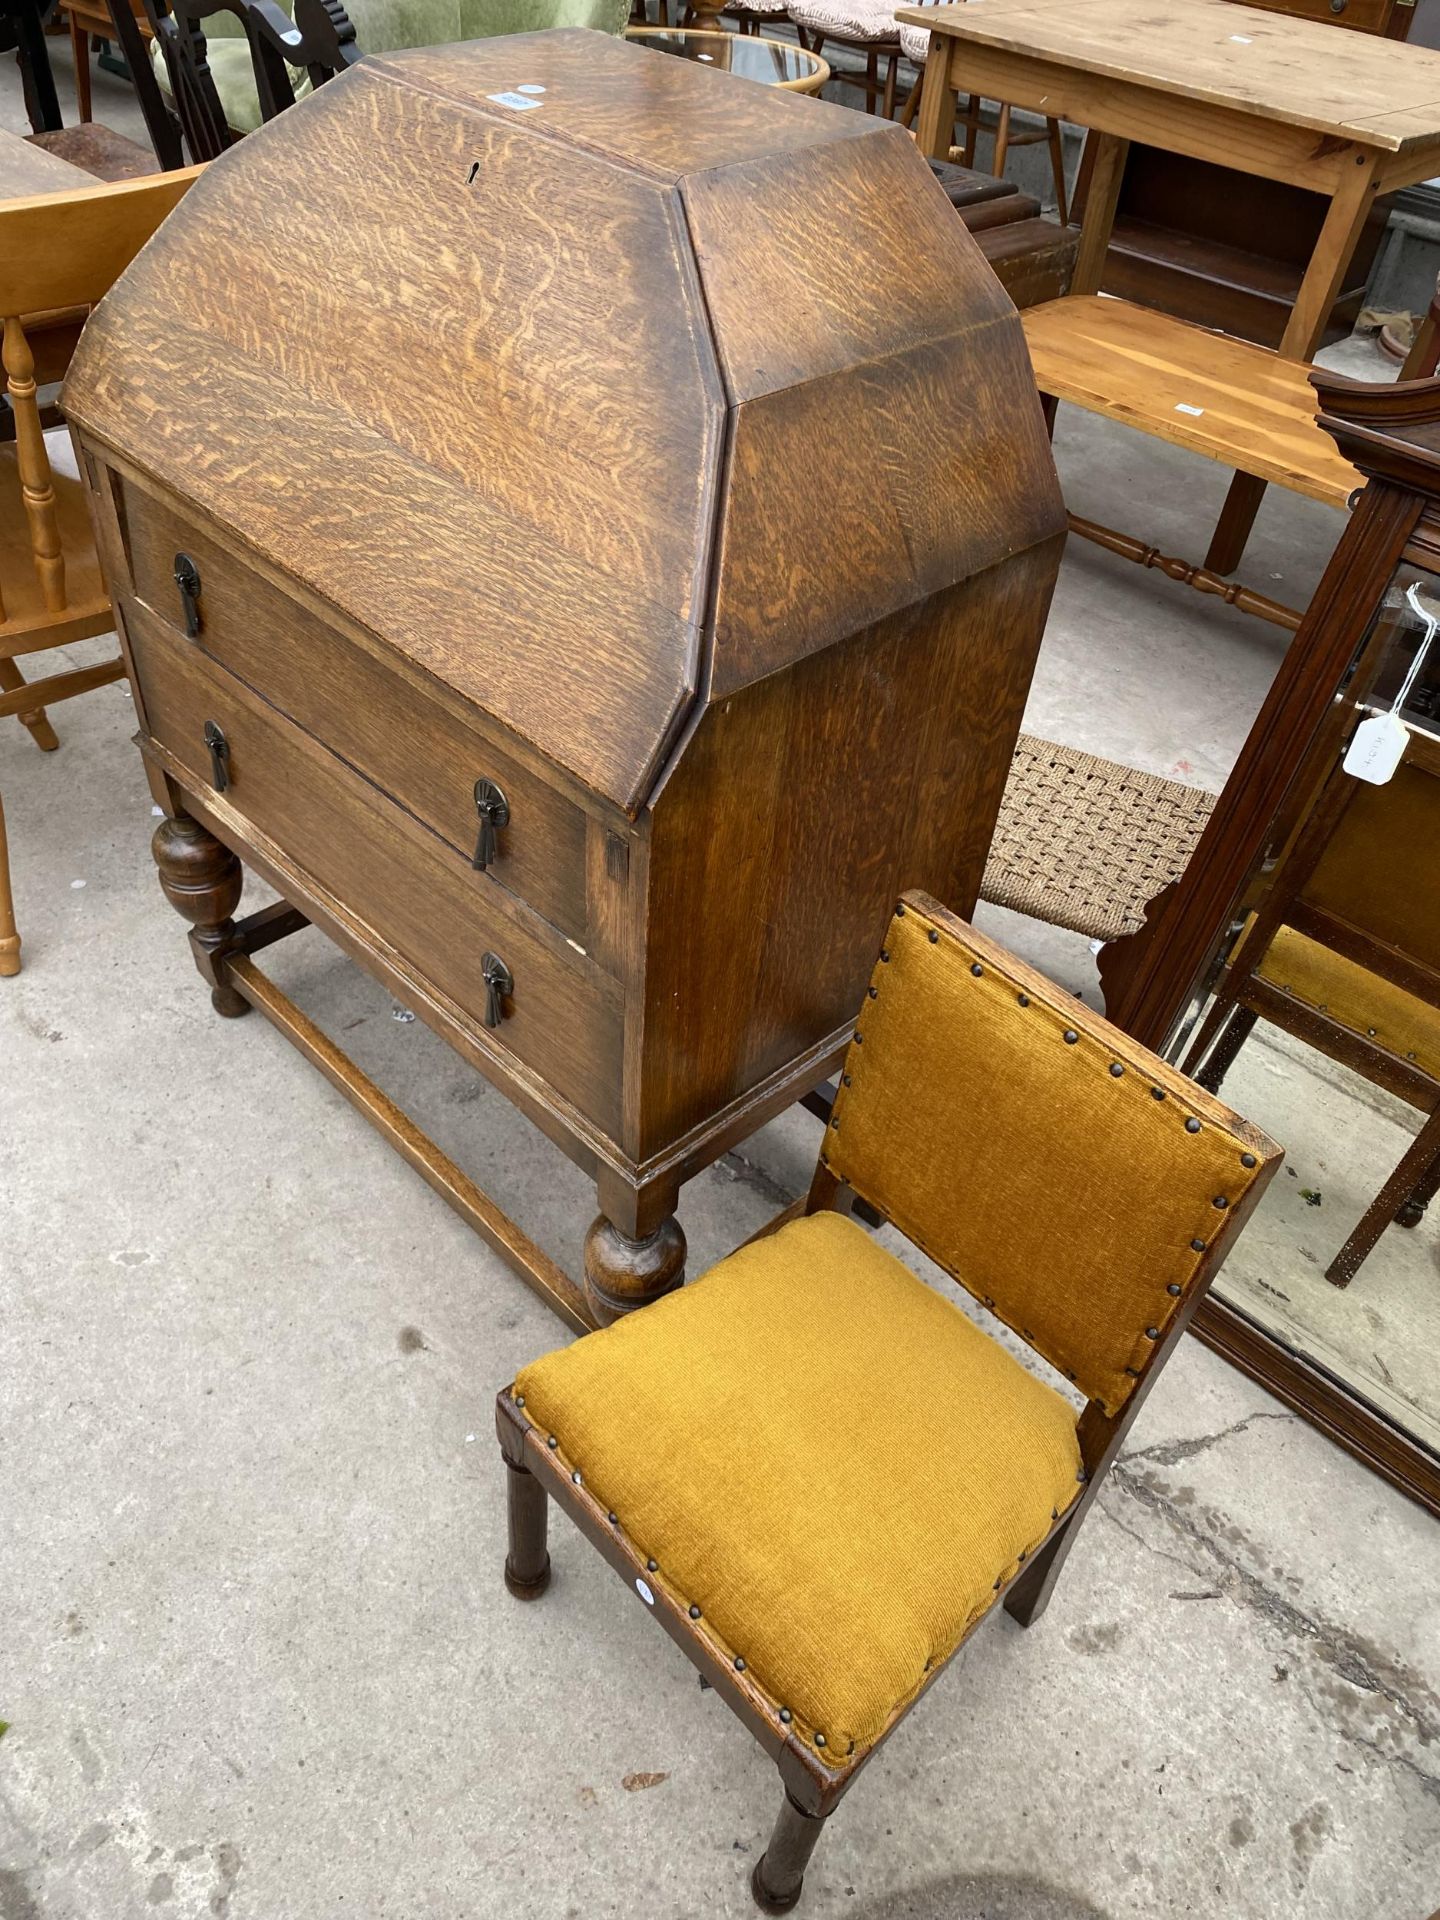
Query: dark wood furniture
{"type": "Point", "coordinates": [537, 669]}
{"type": "Point", "coordinates": [962, 1057]}
{"type": "Point", "coordinates": [1153, 978]}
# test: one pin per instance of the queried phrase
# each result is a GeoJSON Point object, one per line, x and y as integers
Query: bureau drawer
{"type": "Point", "coordinates": [564, 1017]}
{"type": "Point", "coordinates": [383, 723]}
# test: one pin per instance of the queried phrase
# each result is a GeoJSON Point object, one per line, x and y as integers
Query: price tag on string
{"type": "Point", "coordinates": [1379, 743]}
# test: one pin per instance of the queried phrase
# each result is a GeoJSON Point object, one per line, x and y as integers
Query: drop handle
{"type": "Point", "coordinates": [494, 811]}
{"type": "Point", "coordinates": [219, 748]}
{"type": "Point", "coordinates": [499, 985]}
{"type": "Point", "coordinates": [187, 579]}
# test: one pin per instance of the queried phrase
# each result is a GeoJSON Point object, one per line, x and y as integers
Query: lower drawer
{"type": "Point", "coordinates": [564, 1017]}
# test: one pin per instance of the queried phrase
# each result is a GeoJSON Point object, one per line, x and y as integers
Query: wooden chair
{"type": "Point", "coordinates": [818, 1473]}
{"type": "Point", "coordinates": [1344, 953]}
{"type": "Point", "coordinates": [58, 252]}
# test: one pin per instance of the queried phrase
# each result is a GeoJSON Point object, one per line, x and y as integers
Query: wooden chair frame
{"type": "Point", "coordinates": [58, 252]}
{"type": "Point", "coordinates": [1242, 998]}
{"type": "Point", "coordinates": [811, 1789]}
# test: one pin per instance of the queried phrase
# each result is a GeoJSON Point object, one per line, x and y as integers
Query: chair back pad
{"type": "Point", "coordinates": [1372, 872]}
{"type": "Point", "coordinates": [1061, 1173]}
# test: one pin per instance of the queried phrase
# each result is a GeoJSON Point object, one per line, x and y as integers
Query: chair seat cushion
{"type": "Point", "coordinates": [831, 1461]}
{"type": "Point", "coordinates": [862, 20]}
{"type": "Point", "coordinates": [1355, 997]}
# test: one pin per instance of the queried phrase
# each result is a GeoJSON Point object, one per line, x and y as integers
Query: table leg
{"type": "Point", "coordinates": [1349, 209]}
{"type": "Point", "coordinates": [1105, 175]}
{"type": "Point", "coordinates": [937, 100]}
{"type": "Point", "coordinates": [1322, 284]}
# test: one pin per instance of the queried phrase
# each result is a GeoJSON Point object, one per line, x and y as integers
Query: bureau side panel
{"type": "Point", "coordinates": [802, 807]}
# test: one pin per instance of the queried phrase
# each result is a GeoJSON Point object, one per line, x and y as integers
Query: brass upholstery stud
{"type": "Point", "coordinates": [1054, 1513]}
{"type": "Point", "coordinates": [997, 1586]}
{"type": "Point", "coordinates": [519, 1399]}
{"type": "Point", "coordinates": [613, 1518]}
{"type": "Point", "coordinates": [845, 1080]}
{"type": "Point", "coordinates": [1247, 1160]}
{"type": "Point", "coordinates": [739, 1663]}
{"type": "Point", "coordinates": [786, 1715]}
{"type": "Point", "coordinates": [1192, 1125]}
{"type": "Point", "coordinates": [1023, 999]}
{"type": "Point", "coordinates": [934, 937]}
{"type": "Point", "coordinates": [885, 955]}
{"type": "Point", "coordinates": [977, 970]}
{"type": "Point", "coordinates": [1081, 1476]}
{"type": "Point", "coordinates": [694, 1613]}
{"type": "Point", "coordinates": [819, 1739]}
{"type": "Point", "coordinates": [874, 992]}
{"type": "Point", "coordinates": [1116, 1070]}
{"type": "Point", "coordinates": [1370, 1032]}
{"type": "Point", "coordinates": [899, 909]}
{"type": "Point", "coordinates": [1134, 1372]}
{"type": "Point", "coordinates": [576, 1477]}
{"type": "Point", "coordinates": [652, 1566]}
{"type": "Point", "coordinates": [1197, 1246]}
{"type": "Point", "coordinates": [859, 1037]}
{"type": "Point", "coordinates": [1070, 1036]}
{"type": "Point", "coordinates": [1021, 1561]}
{"type": "Point", "coordinates": [1152, 1333]}
{"type": "Point", "coordinates": [1157, 1093]}
{"type": "Point", "coordinates": [1220, 1201]}
{"type": "Point", "coordinates": [1173, 1290]}
{"type": "Point", "coordinates": [552, 1443]}
{"type": "Point", "coordinates": [834, 1123]}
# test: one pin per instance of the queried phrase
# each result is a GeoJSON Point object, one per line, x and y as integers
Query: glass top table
{"type": "Point", "coordinates": [774, 63]}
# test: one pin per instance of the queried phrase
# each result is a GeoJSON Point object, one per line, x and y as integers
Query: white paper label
{"type": "Point", "coordinates": [516, 100]}
{"type": "Point", "coordinates": [1182, 408]}
{"type": "Point", "coordinates": [529, 87]}
{"type": "Point", "coordinates": [1377, 748]}
{"type": "Point", "coordinates": [644, 1592]}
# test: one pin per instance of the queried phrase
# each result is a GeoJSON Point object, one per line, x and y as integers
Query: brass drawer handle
{"type": "Point", "coordinates": [494, 811]}
{"type": "Point", "coordinates": [219, 756]}
{"type": "Point", "coordinates": [499, 985]}
{"type": "Point", "coordinates": [187, 579]}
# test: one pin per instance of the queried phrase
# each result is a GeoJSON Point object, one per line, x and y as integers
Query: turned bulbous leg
{"type": "Point", "coordinates": [622, 1274]}
{"type": "Point", "coordinates": [202, 879]}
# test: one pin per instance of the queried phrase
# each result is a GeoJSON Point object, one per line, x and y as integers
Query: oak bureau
{"type": "Point", "coordinates": [580, 526]}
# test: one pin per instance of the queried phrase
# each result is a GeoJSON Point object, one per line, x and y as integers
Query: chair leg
{"type": "Point", "coordinates": [1030, 1594]}
{"type": "Point", "coordinates": [1416, 1166]}
{"type": "Point", "coordinates": [1222, 1054]}
{"type": "Point", "coordinates": [1057, 167]}
{"type": "Point", "coordinates": [872, 79]}
{"type": "Point", "coordinates": [891, 69]}
{"type": "Point", "coordinates": [9, 937]}
{"type": "Point", "coordinates": [1002, 141]}
{"type": "Point", "coordinates": [973, 106]}
{"type": "Point", "coordinates": [80, 48]}
{"type": "Point", "coordinates": [1412, 1210]}
{"type": "Point", "coordinates": [779, 1876]}
{"type": "Point", "coordinates": [527, 1564]}
{"type": "Point", "coordinates": [34, 719]}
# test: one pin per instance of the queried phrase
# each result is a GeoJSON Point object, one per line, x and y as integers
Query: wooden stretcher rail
{"type": "Point", "coordinates": [456, 1189]}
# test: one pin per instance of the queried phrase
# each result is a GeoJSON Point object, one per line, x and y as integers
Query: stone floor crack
{"type": "Point", "coordinates": [1170, 1453]}
{"type": "Point", "coordinates": [1347, 1660]}
{"type": "Point", "coordinates": [749, 1175]}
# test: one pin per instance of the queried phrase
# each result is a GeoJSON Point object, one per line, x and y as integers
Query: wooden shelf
{"type": "Point", "coordinates": [1233, 402]}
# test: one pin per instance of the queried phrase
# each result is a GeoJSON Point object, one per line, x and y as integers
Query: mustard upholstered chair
{"type": "Point", "coordinates": [1344, 953]}
{"type": "Point", "coordinates": [818, 1472]}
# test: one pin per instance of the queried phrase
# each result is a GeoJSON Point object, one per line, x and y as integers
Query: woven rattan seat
{"type": "Point", "coordinates": [1087, 843]}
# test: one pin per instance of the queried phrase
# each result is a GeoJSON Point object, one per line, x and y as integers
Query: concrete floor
{"type": "Point", "coordinates": [255, 1653]}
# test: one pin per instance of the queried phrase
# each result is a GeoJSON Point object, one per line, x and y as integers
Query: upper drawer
{"type": "Point", "coordinates": [388, 727]}
{"type": "Point", "coordinates": [563, 1018]}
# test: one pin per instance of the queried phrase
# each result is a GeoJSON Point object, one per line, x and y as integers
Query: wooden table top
{"type": "Point", "coordinates": [1367, 90]}
{"type": "Point", "coordinates": [27, 170]}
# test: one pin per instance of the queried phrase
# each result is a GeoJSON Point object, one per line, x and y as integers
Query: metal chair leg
{"type": "Point", "coordinates": [779, 1876]}
{"type": "Point", "coordinates": [527, 1564]}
